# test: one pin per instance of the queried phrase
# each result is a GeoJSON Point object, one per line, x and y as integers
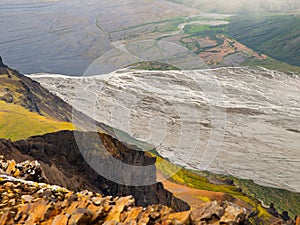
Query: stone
{"type": "Point", "coordinates": [27, 198]}
{"type": "Point", "coordinates": [297, 220]}
{"type": "Point", "coordinates": [11, 167]}
{"type": "Point", "coordinates": [132, 215]}
{"type": "Point", "coordinates": [233, 215]}
{"type": "Point", "coordinates": [204, 211]}
{"type": "Point", "coordinates": [80, 217]}
{"type": "Point", "coordinates": [60, 220]}
{"type": "Point", "coordinates": [116, 210]}
{"type": "Point", "coordinates": [181, 217]}
{"type": "Point", "coordinates": [97, 212]}
{"type": "Point", "coordinates": [97, 200]}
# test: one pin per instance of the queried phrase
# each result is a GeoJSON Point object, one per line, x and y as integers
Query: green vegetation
{"type": "Point", "coordinates": [282, 199]}
{"type": "Point", "coordinates": [198, 180]}
{"type": "Point", "coordinates": [205, 30]}
{"type": "Point", "coordinates": [195, 28]}
{"type": "Point", "coordinates": [150, 65]}
{"type": "Point", "coordinates": [169, 25]}
{"type": "Point", "coordinates": [18, 123]}
{"type": "Point", "coordinates": [276, 35]}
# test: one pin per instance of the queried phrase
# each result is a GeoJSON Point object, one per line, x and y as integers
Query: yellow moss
{"type": "Point", "coordinates": [203, 198]}
{"type": "Point", "coordinates": [263, 212]}
{"type": "Point", "coordinates": [18, 123]}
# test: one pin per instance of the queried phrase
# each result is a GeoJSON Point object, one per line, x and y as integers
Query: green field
{"type": "Point", "coordinates": [18, 123]}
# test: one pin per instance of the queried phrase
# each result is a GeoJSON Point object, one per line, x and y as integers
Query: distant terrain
{"type": "Point", "coordinates": [69, 42]}
{"type": "Point", "coordinates": [277, 36]}
{"type": "Point", "coordinates": [242, 6]}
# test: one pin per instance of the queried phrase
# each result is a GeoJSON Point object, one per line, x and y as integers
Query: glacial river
{"type": "Point", "coordinates": [245, 124]}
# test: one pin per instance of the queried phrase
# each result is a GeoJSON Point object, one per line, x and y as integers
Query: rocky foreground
{"type": "Point", "coordinates": [24, 200]}
{"type": "Point", "coordinates": [28, 202]}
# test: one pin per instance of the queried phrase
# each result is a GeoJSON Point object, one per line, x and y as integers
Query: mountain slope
{"type": "Point", "coordinates": [28, 109]}
{"type": "Point", "coordinates": [18, 89]}
{"type": "Point", "coordinates": [278, 36]}
{"type": "Point", "coordinates": [23, 97]}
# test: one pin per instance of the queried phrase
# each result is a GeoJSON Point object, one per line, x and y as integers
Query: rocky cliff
{"type": "Point", "coordinates": [64, 165]}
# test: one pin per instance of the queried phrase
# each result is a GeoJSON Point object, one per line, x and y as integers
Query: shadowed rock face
{"type": "Point", "coordinates": [1, 62]}
{"type": "Point", "coordinates": [63, 165]}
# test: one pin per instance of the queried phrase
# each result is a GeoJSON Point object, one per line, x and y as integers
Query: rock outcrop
{"type": "Point", "coordinates": [63, 164]}
{"type": "Point", "coordinates": [1, 62]}
{"type": "Point", "coordinates": [27, 170]}
{"type": "Point", "coordinates": [25, 202]}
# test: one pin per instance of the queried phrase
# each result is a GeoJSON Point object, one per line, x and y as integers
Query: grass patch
{"type": "Point", "coordinates": [195, 28]}
{"type": "Point", "coordinates": [150, 65]}
{"type": "Point", "coordinates": [17, 123]}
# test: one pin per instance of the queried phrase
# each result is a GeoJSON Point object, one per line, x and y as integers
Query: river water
{"type": "Point", "coordinates": [246, 124]}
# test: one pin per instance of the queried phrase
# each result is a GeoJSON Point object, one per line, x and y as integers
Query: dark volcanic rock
{"type": "Point", "coordinates": [64, 165]}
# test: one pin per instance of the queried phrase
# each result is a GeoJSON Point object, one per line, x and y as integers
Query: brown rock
{"type": "Point", "coordinates": [80, 217]}
{"type": "Point", "coordinates": [233, 215]}
{"type": "Point", "coordinates": [132, 215]}
{"type": "Point", "coordinates": [97, 212]}
{"type": "Point", "coordinates": [181, 217]}
{"type": "Point", "coordinates": [11, 167]}
{"type": "Point", "coordinates": [5, 218]}
{"type": "Point", "coordinates": [206, 211]}
{"type": "Point", "coordinates": [143, 218]}
{"type": "Point", "coordinates": [116, 211]}
{"type": "Point", "coordinates": [97, 200]}
{"type": "Point", "coordinates": [60, 220]}
{"type": "Point", "coordinates": [27, 198]}
{"type": "Point", "coordinates": [111, 222]}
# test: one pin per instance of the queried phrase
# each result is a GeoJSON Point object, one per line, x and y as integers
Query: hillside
{"type": "Point", "coordinates": [20, 90]}
{"type": "Point", "coordinates": [29, 109]}
{"type": "Point", "coordinates": [18, 123]}
{"type": "Point", "coordinates": [276, 35]}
